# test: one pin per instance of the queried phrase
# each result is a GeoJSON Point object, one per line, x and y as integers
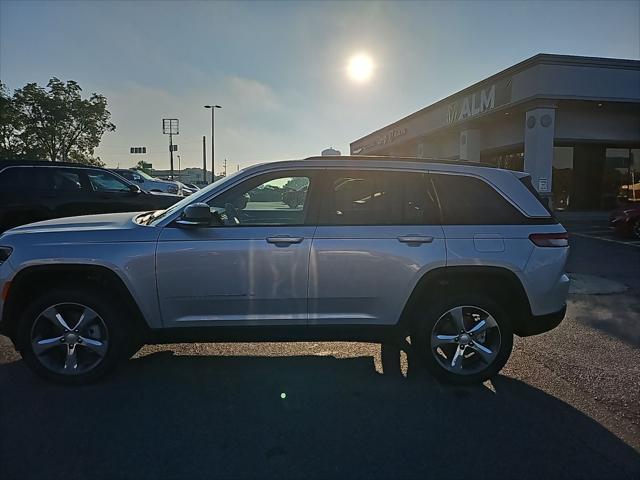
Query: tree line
{"type": "Point", "coordinates": [52, 123]}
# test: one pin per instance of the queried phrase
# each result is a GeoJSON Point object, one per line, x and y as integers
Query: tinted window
{"type": "Point", "coordinates": [63, 179]}
{"type": "Point", "coordinates": [105, 182]}
{"type": "Point", "coordinates": [14, 178]}
{"type": "Point", "coordinates": [471, 201]}
{"type": "Point", "coordinates": [378, 198]}
{"type": "Point", "coordinates": [266, 200]}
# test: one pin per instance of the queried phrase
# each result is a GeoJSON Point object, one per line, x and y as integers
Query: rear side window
{"type": "Point", "coordinates": [378, 198]}
{"type": "Point", "coordinates": [64, 179]}
{"type": "Point", "coordinates": [471, 201]}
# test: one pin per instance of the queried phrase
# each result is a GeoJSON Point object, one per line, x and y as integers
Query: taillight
{"type": "Point", "coordinates": [550, 239]}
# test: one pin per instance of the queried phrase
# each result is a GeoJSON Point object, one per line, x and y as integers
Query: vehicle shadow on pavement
{"type": "Point", "coordinates": [166, 416]}
{"type": "Point", "coordinates": [616, 315]}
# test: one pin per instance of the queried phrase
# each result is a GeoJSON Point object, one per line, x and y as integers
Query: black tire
{"type": "Point", "coordinates": [105, 304]}
{"type": "Point", "coordinates": [635, 229]}
{"type": "Point", "coordinates": [427, 315]}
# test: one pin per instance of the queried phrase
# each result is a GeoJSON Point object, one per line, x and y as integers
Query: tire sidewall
{"type": "Point", "coordinates": [635, 229]}
{"type": "Point", "coordinates": [425, 318]}
{"type": "Point", "coordinates": [103, 304]}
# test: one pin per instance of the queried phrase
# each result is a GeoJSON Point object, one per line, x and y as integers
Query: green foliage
{"type": "Point", "coordinates": [52, 122]}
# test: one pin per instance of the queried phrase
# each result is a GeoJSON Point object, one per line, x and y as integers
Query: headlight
{"type": "Point", "coordinates": [4, 254]}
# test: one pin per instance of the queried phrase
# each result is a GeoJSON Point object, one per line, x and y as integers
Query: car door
{"type": "Point", "coordinates": [21, 192]}
{"type": "Point", "coordinates": [378, 232]}
{"type": "Point", "coordinates": [65, 192]}
{"type": "Point", "coordinates": [110, 194]}
{"type": "Point", "coordinates": [251, 270]}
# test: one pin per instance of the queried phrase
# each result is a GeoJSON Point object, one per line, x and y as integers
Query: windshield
{"type": "Point", "coordinates": [144, 175]}
{"type": "Point", "coordinates": [195, 198]}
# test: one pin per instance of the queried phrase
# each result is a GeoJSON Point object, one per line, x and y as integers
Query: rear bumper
{"type": "Point", "coordinates": [537, 324]}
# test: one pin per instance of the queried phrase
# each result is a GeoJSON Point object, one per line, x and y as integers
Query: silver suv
{"type": "Point", "coordinates": [454, 257]}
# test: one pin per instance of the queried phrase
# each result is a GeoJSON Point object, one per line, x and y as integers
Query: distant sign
{"type": "Point", "coordinates": [170, 126]}
{"type": "Point", "coordinates": [138, 149]}
{"type": "Point", "coordinates": [543, 185]}
{"type": "Point", "coordinates": [478, 102]}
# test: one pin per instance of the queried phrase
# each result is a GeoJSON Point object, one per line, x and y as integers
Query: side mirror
{"type": "Point", "coordinates": [196, 215]}
{"type": "Point", "coordinates": [135, 189]}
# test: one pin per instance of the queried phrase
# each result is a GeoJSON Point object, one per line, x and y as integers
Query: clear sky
{"type": "Point", "coordinates": [279, 69]}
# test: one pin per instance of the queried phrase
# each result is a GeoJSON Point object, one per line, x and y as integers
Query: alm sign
{"type": "Point", "coordinates": [479, 102]}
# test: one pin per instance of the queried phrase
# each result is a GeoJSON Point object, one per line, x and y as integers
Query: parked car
{"type": "Point", "coordinates": [35, 191]}
{"type": "Point", "coordinates": [192, 186]}
{"type": "Point", "coordinates": [294, 198]}
{"type": "Point", "coordinates": [149, 183]}
{"type": "Point", "coordinates": [186, 191]}
{"type": "Point", "coordinates": [458, 258]}
{"type": "Point", "coordinates": [626, 220]}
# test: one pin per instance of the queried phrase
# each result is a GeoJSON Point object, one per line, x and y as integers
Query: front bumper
{"type": "Point", "coordinates": [538, 324]}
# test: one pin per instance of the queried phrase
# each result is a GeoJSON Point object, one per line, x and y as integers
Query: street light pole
{"type": "Point", "coordinates": [213, 168]}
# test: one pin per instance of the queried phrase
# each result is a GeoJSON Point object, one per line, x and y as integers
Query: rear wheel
{"type": "Point", "coordinates": [635, 228]}
{"type": "Point", "coordinates": [464, 339]}
{"type": "Point", "coordinates": [73, 335]}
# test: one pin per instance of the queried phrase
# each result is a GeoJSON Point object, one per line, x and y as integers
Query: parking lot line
{"type": "Point", "coordinates": [631, 243]}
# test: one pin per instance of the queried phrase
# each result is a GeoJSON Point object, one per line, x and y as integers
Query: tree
{"type": "Point", "coordinates": [55, 122]}
{"type": "Point", "coordinates": [142, 165]}
{"type": "Point", "coordinates": [11, 146]}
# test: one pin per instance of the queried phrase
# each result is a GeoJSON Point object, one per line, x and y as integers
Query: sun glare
{"type": "Point", "coordinates": [360, 68]}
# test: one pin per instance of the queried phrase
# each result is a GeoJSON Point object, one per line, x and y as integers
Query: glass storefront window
{"type": "Point", "coordinates": [620, 182]}
{"type": "Point", "coordinates": [633, 186]}
{"type": "Point", "coordinates": [509, 161]}
{"type": "Point", "coordinates": [562, 177]}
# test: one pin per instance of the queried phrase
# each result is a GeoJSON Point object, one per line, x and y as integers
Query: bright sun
{"type": "Point", "coordinates": [360, 67]}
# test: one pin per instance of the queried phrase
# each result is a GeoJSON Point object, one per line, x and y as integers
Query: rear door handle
{"type": "Point", "coordinates": [417, 239]}
{"type": "Point", "coordinates": [284, 240]}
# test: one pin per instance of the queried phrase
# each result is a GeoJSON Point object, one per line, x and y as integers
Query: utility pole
{"type": "Point", "coordinates": [204, 159]}
{"type": "Point", "coordinates": [213, 166]}
{"type": "Point", "coordinates": [170, 127]}
{"type": "Point", "coordinates": [171, 153]}
{"type": "Point", "coordinates": [225, 166]}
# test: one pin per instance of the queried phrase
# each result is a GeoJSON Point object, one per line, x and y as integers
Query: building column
{"type": "Point", "coordinates": [539, 133]}
{"type": "Point", "coordinates": [470, 145]}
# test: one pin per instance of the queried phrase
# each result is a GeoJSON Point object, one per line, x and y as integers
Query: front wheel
{"type": "Point", "coordinates": [464, 339]}
{"type": "Point", "coordinates": [72, 335]}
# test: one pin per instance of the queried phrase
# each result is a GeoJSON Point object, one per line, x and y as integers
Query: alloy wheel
{"type": "Point", "coordinates": [69, 339]}
{"type": "Point", "coordinates": [465, 340]}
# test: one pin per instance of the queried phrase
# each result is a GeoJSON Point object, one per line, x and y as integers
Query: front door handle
{"type": "Point", "coordinates": [284, 240]}
{"type": "Point", "coordinates": [416, 239]}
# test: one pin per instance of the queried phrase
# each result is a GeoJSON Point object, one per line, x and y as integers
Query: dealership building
{"type": "Point", "coordinates": [572, 122]}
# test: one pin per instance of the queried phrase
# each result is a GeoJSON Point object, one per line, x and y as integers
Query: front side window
{"type": "Point", "coordinates": [266, 200]}
{"type": "Point", "coordinates": [105, 182]}
{"type": "Point", "coordinates": [378, 198]}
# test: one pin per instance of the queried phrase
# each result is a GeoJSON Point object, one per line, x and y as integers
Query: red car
{"type": "Point", "coordinates": [626, 220]}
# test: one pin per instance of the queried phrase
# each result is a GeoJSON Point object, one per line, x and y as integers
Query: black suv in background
{"type": "Point", "coordinates": [38, 190]}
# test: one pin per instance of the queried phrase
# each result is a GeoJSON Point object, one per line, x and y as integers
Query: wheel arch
{"type": "Point", "coordinates": [499, 282]}
{"type": "Point", "coordinates": [33, 279]}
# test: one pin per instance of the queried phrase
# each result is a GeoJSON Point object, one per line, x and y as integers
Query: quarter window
{"type": "Point", "coordinates": [471, 201]}
{"type": "Point", "coordinates": [378, 198]}
{"type": "Point", "coordinates": [14, 178]}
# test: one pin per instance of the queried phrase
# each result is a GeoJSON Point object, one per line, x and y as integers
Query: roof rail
{"type": "Point", "coordinates": [401, 159]}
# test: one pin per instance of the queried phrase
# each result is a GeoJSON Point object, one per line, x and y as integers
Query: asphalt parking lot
{"type": "Point", "coordinates": [567, 405]}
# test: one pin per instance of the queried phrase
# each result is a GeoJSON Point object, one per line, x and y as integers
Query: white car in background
{"type": "Point", "coordinates": [149, 183]}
